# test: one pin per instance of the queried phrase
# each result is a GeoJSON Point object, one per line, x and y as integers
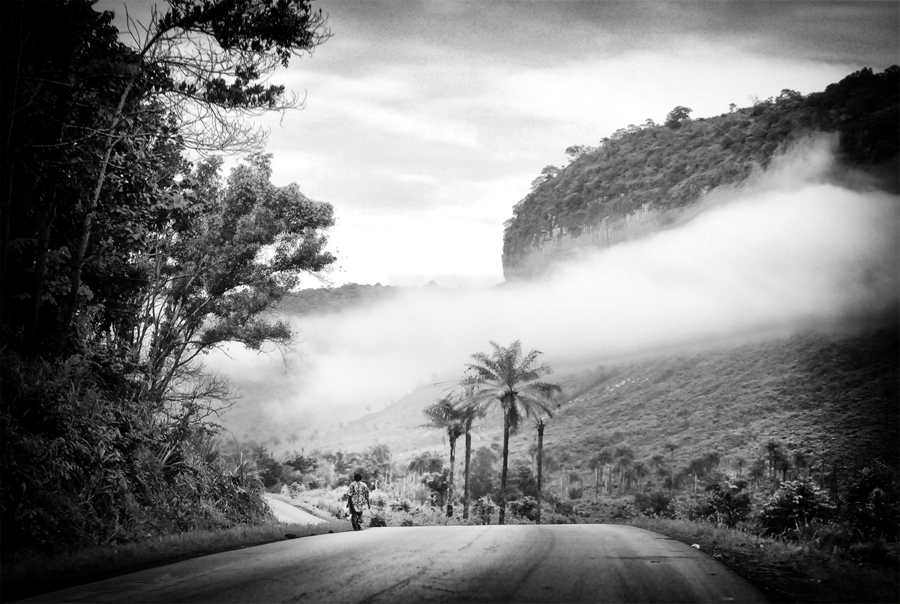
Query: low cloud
{"type": "Point", "coordinates": [791, 250]}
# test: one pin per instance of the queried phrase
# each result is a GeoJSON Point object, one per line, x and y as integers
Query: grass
{"type": "Point", "coordinates": [37, 575]}
{"type": "Point", "coordinates": [785, 572]}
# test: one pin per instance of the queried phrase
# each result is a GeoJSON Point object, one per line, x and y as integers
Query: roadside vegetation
{"type": "Point", "coordinates": [123, 260]}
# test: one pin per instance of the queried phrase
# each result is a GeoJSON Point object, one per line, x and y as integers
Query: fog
{"type": "Point", "coordinates": [792, 249]}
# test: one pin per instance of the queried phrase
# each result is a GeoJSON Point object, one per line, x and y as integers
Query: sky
{"type": "Point", "coordinates": [425, 122]}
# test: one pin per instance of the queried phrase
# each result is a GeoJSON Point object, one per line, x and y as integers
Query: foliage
{"type": "Point", "coordinates": [439, 485]}
{"type": "Point", "coordinates": [81, 466]}
{"type": "Point", "coordinates": [523, 481]}
{"type": "Point", "coordinates": [727, 502]}
{"type": "Point", "coordinates": [795, 503]}
{"type": "Point", "coordinates": [870, 501]}
{"type": "Point", "coordinates": [483, 509]}
{"type": "Point", "coordinates": [377, 518]}
{"type": "Point", "coordinates": [326, 300]}
{"type": "Point", "coordinates": [481, 480]}
{"type": "Point", "coordinates": [654, 503]}
{"type": "Point", "coordinates": [447, 416]}
{"type": "Point", "coordinates": [511, 380]}
{"type": "Point", "coordinates": [660, 168]}
{"type": "Point", "coordinates": [121, 262]}
{"type": "Point", "coordinates": [524, 507]}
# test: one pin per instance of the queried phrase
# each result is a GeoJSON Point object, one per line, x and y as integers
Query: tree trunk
{"type": "Point", "coordinates": [466, 475]}
{"type": "Point", "coordinates": [505, 465]}
{"type": "Point", "coordinates": [450, 484]}
{"type": "Point", "coordinates": [540, 470]}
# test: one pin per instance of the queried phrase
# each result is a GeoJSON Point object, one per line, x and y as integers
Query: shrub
{"type": "Point", "coordinates": [727, 502]}
{"type": "Point", "coordinates": [483, 510]}
{"type": "Point", "coordinates": [526, 507]}
{"type": "Point", "coordinates": [655, 503]}
{"type": "Point", "coordinates": [575, 492]}
{"type": "Point", "coordinates": [377, 519]}
{"type": "Point", "coordinates": [871, 501]}
{"type": "Point", "coordinates": [404, 505]}
{"type": "Point", "coordinates": [795, 503]}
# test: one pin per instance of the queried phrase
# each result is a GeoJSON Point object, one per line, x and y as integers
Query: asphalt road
{"type": "Point", "coordinates": [285, 512]}
{"type": "Point", "coordinates": [556, 563]}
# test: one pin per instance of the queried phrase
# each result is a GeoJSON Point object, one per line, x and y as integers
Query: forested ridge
{"type": "Point", "coordinates": [126, 255]}
{"type": "Point", "coordinates": [667, 166]}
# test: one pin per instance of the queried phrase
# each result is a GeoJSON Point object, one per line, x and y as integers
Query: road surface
{"type": "Point", "coordinates": [285, 512]}
{"type": "Point", "coordinates": [520, 563]}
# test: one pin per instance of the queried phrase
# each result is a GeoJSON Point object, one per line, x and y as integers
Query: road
{"type": "Point", "coordinates": [285, 512]}
{"type": "Point", "coordinates": [557, 563]}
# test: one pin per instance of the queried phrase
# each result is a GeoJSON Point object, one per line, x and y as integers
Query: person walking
{"type": "Point", "coordinates": [357, 497]}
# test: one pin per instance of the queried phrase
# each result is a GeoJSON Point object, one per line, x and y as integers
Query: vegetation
{"type": "Point", "coordinates": [511, 380]}
{"type": "Point", "coordinates": [335, 299]}
{"type": "Point", "coordinates": [122, 262]}
{"type": "Point", "coordinates": [662, 168]}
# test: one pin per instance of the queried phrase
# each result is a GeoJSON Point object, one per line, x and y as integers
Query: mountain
{"type": "Point", "coordinates": [832, 396]}
{"type": "Point", "coordinates": [644, 178]}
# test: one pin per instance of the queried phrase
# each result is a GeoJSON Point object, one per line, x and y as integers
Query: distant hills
{"type": "Point", "coordinates": [831, 396]}
{"type": "Point", "coordinates": [641, 178]}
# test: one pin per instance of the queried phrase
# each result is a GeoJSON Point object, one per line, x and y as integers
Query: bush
{"type": "Point", "coordinates": [483, 510]}
{"type": "Point", "coordinates": [655, 503]}
{"type": "Point", "coordinates": [377, 519]}
{"type": "Point", "coordinates": [794, 504]}
{"type": "Point", "coordinates": [84, 462]}
{"type": "Point", "coordinates": [726, 502]}
{"type": "Point", "coordinates": [871, 501]}
{"type": "Point", "coordinates": [575, 492]}
{"type": "Point", "coordinates": [526, 507]}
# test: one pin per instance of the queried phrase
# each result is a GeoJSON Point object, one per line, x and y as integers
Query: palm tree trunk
{"type": "Point", "coordinates": [466, 475]}
{"type": "Point", "coordinates": [450, 484]}
{"type": "Point", "coordinates": [540, 470]}
{"type": "Point", "coordinates": [502, 502]}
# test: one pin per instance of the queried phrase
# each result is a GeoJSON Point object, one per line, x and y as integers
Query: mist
{"type": "Point", "coordinates": [791, 249]}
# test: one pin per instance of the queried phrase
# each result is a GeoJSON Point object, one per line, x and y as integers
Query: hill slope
{"type": "Point", "coordinates": [643, 177]}
{"type": "Point", "coordinates": [832, 396]}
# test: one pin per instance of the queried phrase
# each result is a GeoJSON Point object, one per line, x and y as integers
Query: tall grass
{"type": "Point", "coordinates": [785, 571]}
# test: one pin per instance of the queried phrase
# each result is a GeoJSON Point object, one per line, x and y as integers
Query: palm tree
{"type": "Point", "coordinates": [540, 423]}
{"type": "Point", "coordinates": [444, 415]}
{"type": "Point", "coordinates": [640, 473]}
{"type": "Point", "coordinates": [512, 380]}
{"type": "Point", "coordinates": [598, 463]}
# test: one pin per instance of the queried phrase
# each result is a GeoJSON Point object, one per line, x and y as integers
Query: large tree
{"type": "Point", "coordinates": [511, 380]}
{"type": "Point", "coordinates": [445, 416]}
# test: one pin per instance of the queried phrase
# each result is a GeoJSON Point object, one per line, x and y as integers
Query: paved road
{"type": "Point", "coordinates": [560, 563]}
{"type": "Point", "coordinates": [285, 512]}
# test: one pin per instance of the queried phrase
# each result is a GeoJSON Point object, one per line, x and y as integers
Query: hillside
{"type": "Point", "coordinates": [642, 178]}
{"type": "Point", "coordinates": [832, 396]}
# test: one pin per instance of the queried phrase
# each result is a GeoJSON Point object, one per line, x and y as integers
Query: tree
{"type": "Point", "coordinates": [470, 412]}
{"type": "Point", "coordinates": [539, 424]}
{"type": "Point", "coordinates": [444, 415]}
{"type": "Point", "coordinates": [482, 473]}
{"type": "Point", "coordinates": [640, 472]}
{"type": "Point", "coordinates": [678, 116]}
{"type": "Point", "coordinates": [211, 283]}
{"type": "Point", "coordinates": [510, 379]}
{"type": "Point", "coordinates": [598, 463]}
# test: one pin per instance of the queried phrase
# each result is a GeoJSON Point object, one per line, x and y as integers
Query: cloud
{"type": "Point", "coordinates": [792, 250]}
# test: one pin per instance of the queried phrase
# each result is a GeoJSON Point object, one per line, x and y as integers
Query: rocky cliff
{"type": "Point", "coordinates": [644, 178]}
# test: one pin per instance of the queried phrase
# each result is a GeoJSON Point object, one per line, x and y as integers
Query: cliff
{"type": "Point", "coordinates": [644, 178]}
